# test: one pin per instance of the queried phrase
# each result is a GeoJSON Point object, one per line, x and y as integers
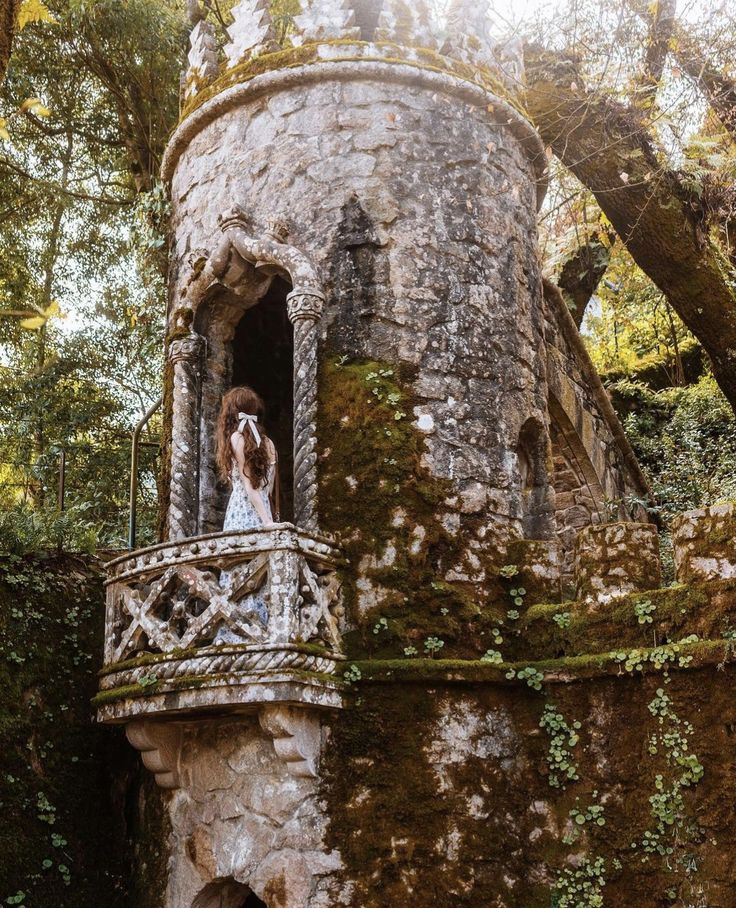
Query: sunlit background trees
{"type": "Point", "coordinates": [635, 102]}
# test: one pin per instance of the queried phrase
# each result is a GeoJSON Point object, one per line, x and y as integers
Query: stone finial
{"type": "Point", "coordinates": [469, 37]}
{"type": "Point", "coordinates": [251, 33]}
{"type": "Point", "coordinates": [406, 22]}
{"type": "Point", "coordinates": [202, 57]}
{"type": "Point", "coordinates": [326, 20]}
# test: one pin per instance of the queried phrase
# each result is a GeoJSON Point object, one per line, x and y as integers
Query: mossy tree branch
{"type": "Point", "coordinates": [609, 148]}
{"type": "Point", "coordinates": [582, 272]}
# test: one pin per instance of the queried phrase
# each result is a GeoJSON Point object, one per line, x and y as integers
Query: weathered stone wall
{"type": "Point", "coordinates": [596, 477]}
{"type": "Point", "coordinates": [419, 209]}
{"type": "Point", "coordinates": [443, 793]}
{"type": "Point", "coordinates": [578, 494]}
{"type": "Point", "coordinates": [240, 817]}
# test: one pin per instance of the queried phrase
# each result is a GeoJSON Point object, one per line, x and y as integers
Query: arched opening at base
{"type": "Point", "coordinates": [262, 357]}
{"type": "Point", "coordinates": [253, 902]}
{"type": "Point", "coordinates": [227, 894]}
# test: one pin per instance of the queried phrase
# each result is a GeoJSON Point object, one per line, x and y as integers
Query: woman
{"type": "Point", "coordinates": [247, 460]}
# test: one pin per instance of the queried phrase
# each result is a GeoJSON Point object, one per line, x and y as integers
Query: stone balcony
{"type": "Point", "coordinates": [226, 622]}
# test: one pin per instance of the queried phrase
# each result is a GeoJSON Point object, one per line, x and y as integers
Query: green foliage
{"type": "Point", "coordinates": [533, 677]}
{"type": "Point", "coordinates": [352, 674]}
{"type": "Point", "coordinates": [563, 737]}
{"type": "Point", "coordinates": [493, 656]}
{"type": "Point", "coordinates": [60, 841]}
{"type": "Point", "coordinates": [685, 439]}
{"type": "Point", "coordinates": [432, 646]}
{"type": "Point", "coordinates": [644, 611]}
{"type": "Point", "coordinates": [24, 530]}
{"type": "Point", "coordinates": [581, 815]}
{"type": "Point", "coordinates": [682, 770]}
{"type": "Point", "coordinates": [582, 886]}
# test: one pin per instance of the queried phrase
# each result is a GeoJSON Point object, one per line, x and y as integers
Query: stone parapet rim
{"type": "Point", "coordinates": [364, 69]}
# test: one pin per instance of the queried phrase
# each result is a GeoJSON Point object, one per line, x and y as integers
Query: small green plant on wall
{"type": "Point", "coordinates": [563, 736]}
{"type": "Point", "coordinates": [581, 886]}
{"type": "Point", "coordinates": [644, 611]}
{"type": "Point", "coordinates": [432, 646]}
{"type": "Point", "coordinates": [517, 593]}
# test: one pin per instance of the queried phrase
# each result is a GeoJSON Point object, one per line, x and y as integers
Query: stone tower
{"type": "Point", "coordinates": [354, 196]}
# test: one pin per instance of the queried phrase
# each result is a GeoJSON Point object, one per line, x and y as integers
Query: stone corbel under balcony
{"type": "Point", "coordinates": [222, 623]}
{"type": "Point", "coordinates": [296, 735]}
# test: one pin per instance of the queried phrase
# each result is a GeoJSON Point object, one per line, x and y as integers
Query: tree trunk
{"type": "Point", "coordinates": [8, 15]}
{"type": "Point", "coordinates": [609, 149]}
{"type": "Point", "coordinates": [581, 273]}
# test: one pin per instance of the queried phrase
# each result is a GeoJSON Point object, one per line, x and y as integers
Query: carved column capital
{"type": "Point", "coordinates": [186, 349]}
{"type": "Point", "coordinates": [305, 304]}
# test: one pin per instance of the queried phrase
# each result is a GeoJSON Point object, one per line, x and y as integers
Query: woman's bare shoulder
{"type": "Point", "coordinates": [236, 441]}
{"type": "Point", "coordinates": [271, 448]}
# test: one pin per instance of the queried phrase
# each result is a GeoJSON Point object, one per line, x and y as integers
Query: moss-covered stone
{"type": "Point", "coordinates": [708, 611]}
{"type": "Point", "coordinates": [439, 794]}
{"type": "Point", "coordinates": [69, 790]}
{"type": "Point", "coordinates": [388, 52]}
{"type": "Point", "coordinates": [386, 507]}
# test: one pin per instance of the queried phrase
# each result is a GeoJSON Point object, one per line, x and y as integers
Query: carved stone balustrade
{"type": "Point", "coordinates": [226, 622]}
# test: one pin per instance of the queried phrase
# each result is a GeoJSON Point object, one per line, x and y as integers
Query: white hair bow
{"type": "Point", "coordinates": [250, 420]}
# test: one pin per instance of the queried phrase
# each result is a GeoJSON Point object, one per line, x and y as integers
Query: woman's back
{"type": "Point", "coordinates": [242, 513]}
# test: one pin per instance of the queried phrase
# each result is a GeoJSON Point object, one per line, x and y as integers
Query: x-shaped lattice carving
{"type": "Point", "coordinates": [318, 596]}
{"type": "Point", "coordinates": [193, 584]}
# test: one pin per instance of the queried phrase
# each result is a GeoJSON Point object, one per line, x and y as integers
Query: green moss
{"type": "Point", "coordinates": [708, 610]}
{"type": "Point", "coordinates": [385, 505]}
{"type": "Point", "coordinates": [308, 54]}
{"type": "Point", "coordinates": [51, 622]}
{"type": "Point", "coordinates": [144, 659]}
{"type": "Point", "coordinates": [192, 682]}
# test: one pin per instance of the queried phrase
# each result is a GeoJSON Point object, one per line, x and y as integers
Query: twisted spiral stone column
{"type": "Point", "coordinates": [185, 354]}
{"type": "Point", "coordinates": [305, 309]}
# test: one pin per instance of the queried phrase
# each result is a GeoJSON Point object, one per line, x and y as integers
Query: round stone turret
{"type": "Point", "coordinates": [409, 178]}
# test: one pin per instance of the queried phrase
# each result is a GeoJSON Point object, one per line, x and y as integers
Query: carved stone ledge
{"type": "Point", "coordinates": [160, 747]}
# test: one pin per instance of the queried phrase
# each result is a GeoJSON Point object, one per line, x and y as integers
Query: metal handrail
{"type": "Point", "coordinates": [133, 500]}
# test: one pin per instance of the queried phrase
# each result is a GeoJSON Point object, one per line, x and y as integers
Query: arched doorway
{"type": "Point", "coordinates": [227, 893]}
{"type": "Point", "coordinates": [262, 357]}
{"type": "Point", "coordinates": [248, 340]}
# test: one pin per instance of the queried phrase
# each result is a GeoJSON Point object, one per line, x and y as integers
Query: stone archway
{"type": "Point", "coordinates": [227, 893]}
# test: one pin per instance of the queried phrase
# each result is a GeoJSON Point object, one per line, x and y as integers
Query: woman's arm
{"type": "Point", "coordinates": [254, 494]}
{"type": "Point", "coordinates": [276, 490]}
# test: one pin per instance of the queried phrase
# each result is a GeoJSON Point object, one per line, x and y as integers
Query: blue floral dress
{"type": "Point", "coordinates": [241, 516]}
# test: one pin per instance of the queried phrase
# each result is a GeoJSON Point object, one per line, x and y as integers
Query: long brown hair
{"type": "Point", "coordinates": [241, 400]}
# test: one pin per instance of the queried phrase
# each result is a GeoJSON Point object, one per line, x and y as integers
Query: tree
{"type": "Point", "coordinates": [673, 213]}
{"type": "Point", "coordinates": [76, 189]}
